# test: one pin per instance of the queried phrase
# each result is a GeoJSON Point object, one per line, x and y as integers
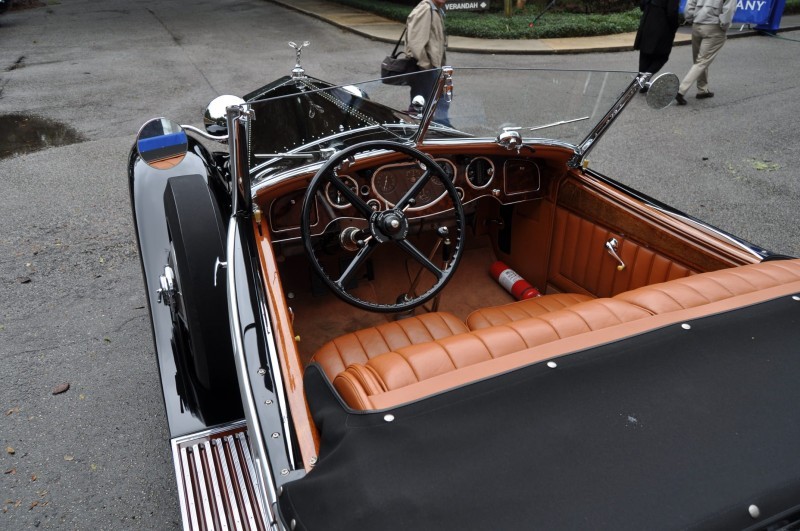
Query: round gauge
{"type": "Point", "coordinates": [385, 183]}
{"type": "Point", "coordinates": [480, 172]}
{"type": "Point", "coordinates": [449, 170]}
{"type": "Point", "coordinates": [335, 197]}
{"type": "Point", "coordinates": [374, 204]}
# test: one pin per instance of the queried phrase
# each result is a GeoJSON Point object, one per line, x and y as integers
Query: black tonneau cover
{"type": "Point", "coordinates": [674, 428]}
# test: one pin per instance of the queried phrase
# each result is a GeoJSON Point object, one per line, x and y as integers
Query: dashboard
{"type": "Point", "coordinates": [507, 179]}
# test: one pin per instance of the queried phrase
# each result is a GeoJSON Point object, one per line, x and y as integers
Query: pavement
{"type": "Point", "coordinates": [382, 29]}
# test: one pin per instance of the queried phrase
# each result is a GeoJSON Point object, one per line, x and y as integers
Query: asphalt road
{"type": "Point", "coordinates": [72, 305]}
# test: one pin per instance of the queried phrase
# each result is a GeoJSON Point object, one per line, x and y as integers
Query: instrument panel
{"type": "Point", "coordinates": [506, 179]}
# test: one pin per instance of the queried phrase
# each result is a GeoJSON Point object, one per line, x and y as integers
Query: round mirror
{"type": "Point", "coordinates": [215, 118]}
{"type": "Point", "coordinates": [162, 143]}
{"type": "Point", "coordinates": [662, 90]}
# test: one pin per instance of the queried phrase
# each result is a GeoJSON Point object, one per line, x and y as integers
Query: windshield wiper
{"type": "Point", "coordinates": [537, 127]}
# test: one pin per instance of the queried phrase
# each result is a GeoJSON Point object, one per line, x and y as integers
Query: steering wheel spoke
{"type": "Point", "coordinates": [393, 225]}
{"type": "Point", "coordinates": [415, 189]}
{"type": "Point", "coordinates": [360, 258]}
{"type": "Point", "coordinates": [421, 258]}
{"type": "Point", "coordinates": [351, 197]}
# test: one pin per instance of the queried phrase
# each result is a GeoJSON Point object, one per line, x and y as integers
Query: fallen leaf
{"type": "Point", "coordinates": [765, 165]}
{"type": "Point", "coordinates": [61, 388]}
{"type": "Point", "coordinates": [93, 466]}
{"type": "Point", "coordinates": [33, 477]}
{"type": "Point", "coordinates": [107, 340]}
{"type": "Point", "coordinates": [69, 458]}
{"type": "Point", "coordinates": [10, 450]}
{"type": "Point", "coordinates": [11, 471]}
{"type": "Point", "coordinates": [81, 396]}
{"type": "Point", "coordinates": [24, 280]}
{"type": "Point", "coordinates": [33, 504]}
{"type": "Point", "coordinates": [12, 411]}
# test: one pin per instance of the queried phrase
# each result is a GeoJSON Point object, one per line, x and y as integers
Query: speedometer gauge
{"type": "Point", "coordinates": [335, 196]}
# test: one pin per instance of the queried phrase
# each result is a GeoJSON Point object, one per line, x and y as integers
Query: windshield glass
{"type": "Point", "coordinates": [308, 118]}
{"type": "Point", "coordinates": [560, 105]}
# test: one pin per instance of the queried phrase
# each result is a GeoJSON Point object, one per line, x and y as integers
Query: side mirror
{"type": "Point", "coordinates": [662, 90]}
{"type": "Point", "coordinates": [215, 116]}
{"type": "Point", "coordinates": [162, 143]}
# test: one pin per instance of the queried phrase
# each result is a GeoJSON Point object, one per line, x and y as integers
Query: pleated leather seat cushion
{"type": "Point", "coordinates": [363, 345]}
{"type": "Point", "coordinates": [516, 311]}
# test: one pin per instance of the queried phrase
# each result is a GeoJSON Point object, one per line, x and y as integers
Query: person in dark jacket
{"type": "Point", "coordinates": [656, 33]}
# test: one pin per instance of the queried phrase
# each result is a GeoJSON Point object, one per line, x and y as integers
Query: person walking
{"type": "Point", "coordinates": [426, 41]}
{"type": "Point", "coordinates": [656, 33]}
{"type": "Point", "coordinates": [710, 21]}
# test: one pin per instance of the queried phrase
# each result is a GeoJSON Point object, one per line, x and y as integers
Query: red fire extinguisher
{"type": "Point", "coordinates": [514, 284]}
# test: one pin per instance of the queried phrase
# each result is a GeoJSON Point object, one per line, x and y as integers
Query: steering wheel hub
{"type": "Point", "coordinates": [389, 225]}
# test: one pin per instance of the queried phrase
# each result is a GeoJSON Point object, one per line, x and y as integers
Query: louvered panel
{"type": "Point", "coordinates": [217, 482]}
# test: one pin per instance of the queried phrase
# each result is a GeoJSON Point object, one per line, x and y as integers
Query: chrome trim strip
{"type": "Point", "coordinates": [222, 139]}
{"type": "Point", "coordinates": [711, 229]}
{"type": "Point", "coordinates": [248, 459]}
{"type": "Point", "coordinates": [237, 517]}
{"type": "Point", "coordinates": [238, 171]}
{"type": "Point", "coordinates": [176, 461]}
{"type": "Point", "coordinates": [248, 400]}
{"type": "Point", "coordinates": [248, 508]}
{"type": "Point", "coordinates": [280, 389]}
{"type": "Point", "coordinates": [210, 432]}
{"type": "Point", "coordinates": [191, 508]}
{"type": "Point", "coordinates": [203, 487]}
{"type": "Point", "coordinates": [212, 468]}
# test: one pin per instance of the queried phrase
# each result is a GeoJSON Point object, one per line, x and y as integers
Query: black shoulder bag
{"type": "Point", "coordinates": [394, 67]}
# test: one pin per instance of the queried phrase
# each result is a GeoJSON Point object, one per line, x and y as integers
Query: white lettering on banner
{"type": "Point", "coordinates": [508, 278]}
{"type": "Point", "coordinates": [466, 5]}
{"type": "Point", "coordinates": [751, 5]}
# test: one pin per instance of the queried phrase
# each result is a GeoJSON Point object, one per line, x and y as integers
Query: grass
{"type": "Point", "coordinates": [494, 25]}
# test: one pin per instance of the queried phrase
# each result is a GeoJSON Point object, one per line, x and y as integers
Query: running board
{"type": "Point", "coordinates": [217, 481]}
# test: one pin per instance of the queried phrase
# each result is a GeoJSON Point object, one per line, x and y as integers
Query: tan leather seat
{"type": "Point", "coordinates": [696, 290]}
{"type": "Point", "coordinates": [363, 345]}
{"type": "Point", "coordinates": [423, 368]}
{"type": "Point", "coordinates": [516, 311]}
{"type": "Point", "coordinates": [415, 363]}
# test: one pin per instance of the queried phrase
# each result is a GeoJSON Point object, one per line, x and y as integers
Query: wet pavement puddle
{"type": "Point", "coordinates": [21, 133]}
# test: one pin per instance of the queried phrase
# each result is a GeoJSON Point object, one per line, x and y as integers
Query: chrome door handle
{"type": "Point", "coordinates": [611, 247]}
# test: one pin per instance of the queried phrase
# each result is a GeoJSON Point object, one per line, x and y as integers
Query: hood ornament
{"type": "Point", "coordinates": [298, 71]}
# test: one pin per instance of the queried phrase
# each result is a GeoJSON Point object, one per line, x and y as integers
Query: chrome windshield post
{"type": "Point", "coordinates": [238, 117]}
{"type": "Point", "coordinates": [602, 126]}
{"type": "Point", "coordinates": [443, 89]}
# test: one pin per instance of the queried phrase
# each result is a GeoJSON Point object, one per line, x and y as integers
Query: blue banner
{"type": "Point", "coordinates": [748, 11]}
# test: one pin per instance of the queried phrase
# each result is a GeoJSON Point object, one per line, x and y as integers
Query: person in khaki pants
{"type": "Point", "coordinates": [710, 21]}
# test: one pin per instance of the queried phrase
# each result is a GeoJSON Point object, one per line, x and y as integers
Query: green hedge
{"type": "Point", "coordinates": [494, 25]}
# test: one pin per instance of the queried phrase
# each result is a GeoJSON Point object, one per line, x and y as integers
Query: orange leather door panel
{"type": "Point", "coordinates": [580, 263]}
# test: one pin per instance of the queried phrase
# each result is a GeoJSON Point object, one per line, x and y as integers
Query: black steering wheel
{"type": "Point", "coordinates": [383, 227]}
